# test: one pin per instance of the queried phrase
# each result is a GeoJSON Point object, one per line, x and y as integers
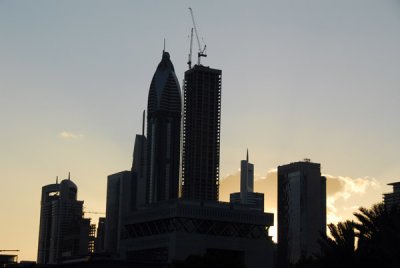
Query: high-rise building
{"type": "Point", "coordinates": [118, 204]}
{"type": "Point", "coordinates": [63, 233]}
{"type": "Point", "coordinates": [392, 199]}
{"type": "Point", "coordinates": [201, 133]}
{"type": "Point", "coordinates": [100, 235]}
{"type": "Point", "coordinates": [160, 233]}
{"type": "Point", "coordinates": [138, 171]}
{"type": "Point", "coordinates": [301, 211]}
{"type": "Point", "coordinates": [247, 196]}
{"type": "Point", "coordinates": [163, 133]}
{"type": "Point", "coordinates": [246, 178]}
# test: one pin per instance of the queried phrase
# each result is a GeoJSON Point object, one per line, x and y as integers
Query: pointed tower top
{"type": "Point", "coordinates": [144, 114]}
{"type": "Point", "coordinates": [247, 156]}
{"type": "Point", "coordinates": [69, 176]}
{"type": "Point", "coordinates": [56, 179]}
{"type": "Point", "coordinates": [164, 46]}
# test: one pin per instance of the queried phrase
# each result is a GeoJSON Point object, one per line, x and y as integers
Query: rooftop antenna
{"type": "Point", "coordinates": [69, 175]}
{"type": "Point", "coordinates": [202, 51]}
{"type": "Point", "coordinates": [164, 45]}
{"type": "Point", "coordinates": [191, 46]}
{"type": "Point", "coordinates": [247, 156]}
{"type": "Point", "coordinates": [144, 113]}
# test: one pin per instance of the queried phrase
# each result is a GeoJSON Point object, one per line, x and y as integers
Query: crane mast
{"type": "Point", "coordinates": [191, 46]}
{"type": "Point", "coordinates": [202, 50]}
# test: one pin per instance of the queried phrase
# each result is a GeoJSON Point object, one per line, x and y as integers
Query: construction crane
{"type": "Point", "coordinates": [94, 212]}
{"type": "Point", "coordinates": [190, 53]}
{"type": "Point", "coordinates": [7, 250]}
{"type": "Point", "coordinates": [202, 50]}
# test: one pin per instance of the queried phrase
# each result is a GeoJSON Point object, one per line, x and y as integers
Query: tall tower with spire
{"type": "Point", "coordinates": [247, 196]}
{"type": "Point", "coordinates": [246, 178]}
{"type": "Point", "coordinates": [163, 133]}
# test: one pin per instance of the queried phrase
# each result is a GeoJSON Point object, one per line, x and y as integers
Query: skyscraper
{"type": "Point", "coordinates": [247, 196]}
{"type": "Point", "coordinates": [63, 233]}
{"type": "Point", "coordinates": [163, 133]}
{"type": "Point", "coordinates": [201, 133]}
{"type": "Point", "coordinates": [246, 178]}
{"type": "Point", "coordinates": [118, 205]}
{"type": "Point", "coordinates": [301, 211]}
{"type": "Point", "coordinates": [138, 171]}
{"type": "Point", "coordinates": [392, 199]}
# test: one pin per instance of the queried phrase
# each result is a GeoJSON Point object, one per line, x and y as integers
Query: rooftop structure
{"type": "Point", "coordinates": [176, 229]}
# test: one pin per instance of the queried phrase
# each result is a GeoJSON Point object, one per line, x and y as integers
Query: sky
{"type": "Point", "coordinates": [301, 79]}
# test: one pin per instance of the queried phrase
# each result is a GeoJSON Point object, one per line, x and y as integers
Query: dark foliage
{"type": "Point", "coordinates": [373, 240]}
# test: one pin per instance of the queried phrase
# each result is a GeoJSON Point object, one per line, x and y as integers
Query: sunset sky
{"type": "Point", "coordinates": [315, 79]}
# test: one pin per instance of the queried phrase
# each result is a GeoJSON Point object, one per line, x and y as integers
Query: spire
{"type": "Point", "coordinates": [69, 175]}
{"type": "Point", "coordinates": [56, 179]}
{"type": "Point", "coordinates": [247, 156]}
{"type": "Point", "coordinates": [144, 113]}
{"type": "Point", "coordinates": [164, 46]}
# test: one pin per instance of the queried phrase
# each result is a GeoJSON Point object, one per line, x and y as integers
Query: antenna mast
{"type": "Point", "coordinates": [202, 51]}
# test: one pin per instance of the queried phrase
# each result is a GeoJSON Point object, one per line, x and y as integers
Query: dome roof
{"type": "Point", "coordinates": [68, 183]}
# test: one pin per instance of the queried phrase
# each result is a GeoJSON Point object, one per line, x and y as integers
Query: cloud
{"type": "Point", "coordinates": [70, 135]}
{"type": "Point", "coordinates": [344, 194]}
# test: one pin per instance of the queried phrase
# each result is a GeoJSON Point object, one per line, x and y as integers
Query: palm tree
{"type": "Point", "coordinates": [378, 232]}
{"type": "Point", "coordinates": [339, 249]}
{"type": "Point", "coordinates": [373, 240]}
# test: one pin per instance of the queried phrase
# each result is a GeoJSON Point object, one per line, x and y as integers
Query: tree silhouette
{"type": "Point", "coordinates": [373, 240]}
{"type": "Point", "coordinates": [339, 249]}
{"type": "Point", "coordinates": [378, 236]}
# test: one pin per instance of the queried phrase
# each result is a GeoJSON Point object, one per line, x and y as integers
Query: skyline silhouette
{"type": "Point", "coordinates": [299, 81]}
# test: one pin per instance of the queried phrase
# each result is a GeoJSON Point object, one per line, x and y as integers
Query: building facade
{"type": "Point", "coordinates": [163, 133]}
{"type": "Point", "coordinates": [174, 230]}
{"type": "Point", "coordinates": [118, 204]}
{"type": "Point", "coordinates": [393, 199]}
{"type": "Point", "coordinates": [201, 133]}
{"type": "Point", "coordinates": [63, 232]}
{"type": "Point", "coordinates": [100, 235]}
{"type": "Point", "coordinates": [138, 172]}
{"type": "Point", "coordinates": [301, 211]}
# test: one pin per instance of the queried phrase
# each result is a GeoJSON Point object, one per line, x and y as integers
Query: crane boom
{"type": "Point", "coordinates": [94, 212]}
{"type": "Point", "coordinates": [201, 52]}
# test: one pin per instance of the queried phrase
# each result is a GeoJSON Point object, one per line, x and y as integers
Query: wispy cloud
{"type": "Point", "coordinates": [70, 135]}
